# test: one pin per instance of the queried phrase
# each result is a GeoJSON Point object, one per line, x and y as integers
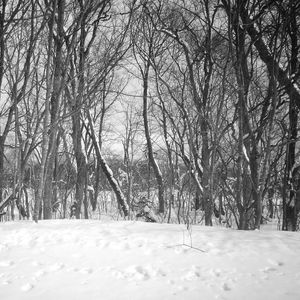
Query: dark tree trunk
{"type": "Point", "coordinates": [205, 155]}
{"type": "Point", "coordinates": [290, 199]}
{"type": "Point", "coordinates": [2, 139]}
{"type": "Point", "coordinates": [289, 216]}
{"type": "Point", "coordinates": [59, 7]}
{"type": "Point", "coordinates": [2, 49]}
{"type": "Point", "coordinates": [271, 192]}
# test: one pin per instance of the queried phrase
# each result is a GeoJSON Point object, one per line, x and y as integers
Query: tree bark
{"type": "Point", "coordinates": [152, 160]}
{"type": "Point", "coordinates": [81, 161]}
{"type": "Point", "coordinates": [59, 8]}
{"type": "Point", "coordinates": [45, 135]}
{"type": "Point", "coordinates": [289, 202]}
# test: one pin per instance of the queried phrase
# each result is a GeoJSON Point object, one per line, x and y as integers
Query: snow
{"type": "Point", "coordinates": [245, 153]}
{"type": "Point", "coordinates": [92, 259]}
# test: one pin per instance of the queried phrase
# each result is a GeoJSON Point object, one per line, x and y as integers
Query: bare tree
{"type": "Point", "coordinates": [11, 15]}
{"type": "Point", "coordinates": [147, 43]}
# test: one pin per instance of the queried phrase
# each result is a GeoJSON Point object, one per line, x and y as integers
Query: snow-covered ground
{"type": "Point", "coordinates": [78, 259]}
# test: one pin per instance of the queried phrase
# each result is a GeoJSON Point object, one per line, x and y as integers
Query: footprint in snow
{"type": "Point", "coordinates": [6, 282]}
{"type": "Point", "coordinates": [193, 274]}
{"type": "Point", "coordinates": [182, 288]}
{"type": "Point", "coordinates": [275, 263]}
{"type": "Point", "coordinates": [215, 272]}
{"type": "Point", "coordinates": [55, 267]}
{"type": "Point", "coordinates": [6, 263]}
{"type": "Point", "coordinates": [27, 287]}
{"type": "Point", "coordinates": [3, 247]}
{"type": "Point", "coordinates": [180, 249]}
{"type": "Point", "coordinates": [36, 263]}
{"type": "Point", "coordinates": [101, 244]}
{"type": "Point", "coordinates": [171, 282]}
{"type": "Point", "coordinates": [39, 274]}
{"type": "Point", "coordinates": [226, 287]}
{"type": "Point", "coordinates": [86, 271]}
{"type": "Point", "coordinates": [273, 266]}
{"type": "Point", "coordinates": [138, 273]}
{"type": "Point", "coordinates": [268, 269]}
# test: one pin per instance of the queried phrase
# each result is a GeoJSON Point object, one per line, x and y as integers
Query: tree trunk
{"type": "Point", "coordinates": [2, 49]}
{"type": "Point", "coordinates": [289, 217]}
{"type": "Point", "coordinates": [205, 155]}
{"type": "Point", "coordinates": [40, 193]}
{"type": "Point", "coordinates": [289, 204]}
{"type": "Point", "coordinates": [59, 8]}
{"type": "Point", "coordinates": [2, 139]}
{"type": "Point", "coordinates": [81, 162]}
{"type": "Point", "coordinates": [152, 161]}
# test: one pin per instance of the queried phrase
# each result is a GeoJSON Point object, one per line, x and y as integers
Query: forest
{"type": "Point", "coordinates": [185, 110]}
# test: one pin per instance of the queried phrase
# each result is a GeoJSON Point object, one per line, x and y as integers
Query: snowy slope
{"type": "Point", "coordinates": [70, 259]}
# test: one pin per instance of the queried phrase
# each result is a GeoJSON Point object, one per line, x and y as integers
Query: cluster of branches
{"type": "Point", "coordinates": [57, 61]}
{"type": "Point", "coordinates": [218, 105]}
{"type": "Point", "coordinates": [223, 78]}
